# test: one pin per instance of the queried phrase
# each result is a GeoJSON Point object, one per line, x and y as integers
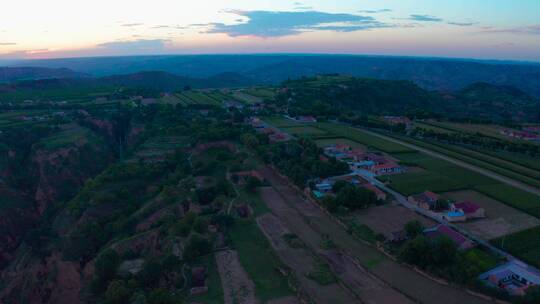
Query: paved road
{"type": "Point", "coordinates": [491, 174]}
{"type": "Point", "coordinates": [392, 273]}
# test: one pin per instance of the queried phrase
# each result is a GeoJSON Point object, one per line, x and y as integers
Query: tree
{"type": "Point", "coordinates": [117, 293]}
{"type": "Point", "coordinates": [330, 203]}
{"type": "Point", "coordinates": [106, 264]}
{"type": "Point", "coordinates": [200, 225]}
{"type": "Point", "coordinates": [416, 251]}
{"type": "Point", "coordinates": [355, 198]}
{"type": "Point", "coordinates": [441, 205]}
{"type": "Point", "coordinates": [197, 245]}
{"type": "Point", "coordinates": [340, 185]}
{"type": "Point", "coordinates": [252, 183]}
{"type": "Point", "coordinates": [413, 229]}
{"type": "Point", "coordinates": [150, 273]}
{"type": "Point", "coordinates": [161, 296]}
{"type": "Point", "coordinates": [532, 295]}
{"type": "Point", "coordinates": [444, 251]}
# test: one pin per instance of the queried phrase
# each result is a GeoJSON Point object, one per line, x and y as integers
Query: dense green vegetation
{"type": "Point", "coordinates": [442, 257]}
{"type": "Point", "coordinates": [300, 161]}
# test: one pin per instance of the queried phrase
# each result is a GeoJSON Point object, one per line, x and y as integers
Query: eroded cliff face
{"type": "Point", "coordinates": [57, 175]}
{"type": "Point", "coordinates": [16, 217]}
{"type": "Point", "coordinates": [54, 175]}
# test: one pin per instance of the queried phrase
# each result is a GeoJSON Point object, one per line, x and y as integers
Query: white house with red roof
{"type": "Point", "coordinates": [385, 169]}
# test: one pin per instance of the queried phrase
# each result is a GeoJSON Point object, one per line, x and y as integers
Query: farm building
{"type": "Point", "coordinates": [514, 277]}
{"type": "Point", "coordinates": [306, 119]}
{"type": "Point", "coordinates": [397, 236]}
{"type": "Point", "coordinates": [425, 200]}
{"type": "Point", "coordinates": [381, 196]}
{"type": "Point", "coordinates": [352, 178]}
{"type": "Point", "coordinates": [454, 216]}
{"type": "Point", "coordinates": [376, 158]}
{"type": "Point", "coordinates": [440, 230]}
{"type": "Point", "coordinates": [279, 137]}
{"type": "Point", "coordinates": [520, 134]}
{"type": "Point", "coordinates": [324, 187]}
{"type": "Point", "coordinates": [397, 120]}
{"type": "Point", "coordinates": [361, 165]}
{"type": "Point", "coordinates": [470, 209]}
{"type": "Point", "coordinates": [233, 104]}
{"type": "Point", "coordinates": [388, 168]}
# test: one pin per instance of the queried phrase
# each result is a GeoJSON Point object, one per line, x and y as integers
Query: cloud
{"type": "Point", "coordinates": [131, 46]}
{"type": "Point", "coordinates": [7, 43]}
{"type": "Point", "coordinates": [277, 24]}
{"type": "Point", "coordinates": [303, 8]}
{"type": "Point", "coordinates": [384, 10]}
{"type": "Point", "coordinates": [424, 18]}
{"type": "Point", "coordinates": [132, 24]}
{"type": "Point", "coordinates": [163, 26]}
{"type": "Point", "coordinates": [462, 23]}
{"type": "Point", "coordinates": [526, 30]}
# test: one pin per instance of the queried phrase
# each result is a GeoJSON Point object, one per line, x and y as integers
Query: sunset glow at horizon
{"type": "Point", "coordinates": [483, 29]}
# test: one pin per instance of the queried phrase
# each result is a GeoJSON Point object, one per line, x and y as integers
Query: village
{"type": "Point", "coordinates": [441, 214]}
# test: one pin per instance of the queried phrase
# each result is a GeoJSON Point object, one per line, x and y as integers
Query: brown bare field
{"type": "Point", "coordinates": [358, 280]}
{"type": "Point", "coordinates": [301, 262]}
{"type": "Point", "coordinates": [286, 300]}
{"type": "Point", "coordinates": [500, 219]}
{"type": "Point", "coordinates": [400, 277]}
{"type": "Point", "coordinates": [389, 218]}
{"type": "Point", "coordinates": [237, 287]}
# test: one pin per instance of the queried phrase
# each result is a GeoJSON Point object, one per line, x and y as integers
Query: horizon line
{"type": "Point", "coordinates": [444, 58]}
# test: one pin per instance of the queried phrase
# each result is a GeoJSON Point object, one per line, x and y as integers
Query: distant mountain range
{"type": "Point", "coordinates": [220, 70]}
{"type": "Point", "coordinates": [9, 74]}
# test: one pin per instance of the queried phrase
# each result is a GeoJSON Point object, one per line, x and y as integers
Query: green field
{"type": "Point", "coordinates": [433, 128]}
{"type": "Point", "coordinates": [519, 199]}
{"type": "Point", "coordinates": [495, 164]}
{"type": "Point", "coordinates": [304, 130]}
{"type": "Point", "coordinates": [281, 122]}
{"type": "Point", "coordinates": [362, 137]}
{"type": "Point", "coordinates": [258, 259]}
{"type": "Point", "coordinates": [67, 138]}
{"type": "Point", "coordinates": [262, 92]}
{"type": "Point", "coordinates": [441, 176]}
{"type": "Point", "coordinates": [412, 183]}
{"type": "Point", "coordinates": [247, 98]}
{"type": "Point", "coordinates": [199, 97]}
{"type": "Point", "coordinates": [524, 245]}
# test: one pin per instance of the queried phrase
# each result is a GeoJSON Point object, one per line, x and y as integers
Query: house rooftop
{"type": "Point", "coordinates": [443, 230]}
{"type": "Point", "coordinates": [467, 207]}
{"type": "Point", "coordinates": [525, 271]}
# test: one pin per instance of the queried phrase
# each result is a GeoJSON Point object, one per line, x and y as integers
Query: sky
{"type": "Point", "coordinates": [482, 29]}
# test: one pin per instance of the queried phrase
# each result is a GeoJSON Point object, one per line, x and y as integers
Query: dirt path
{"type": "Point", "coordinates": [368, 288]}
{"type": "Point", "coordinates": [400, 277]}
{"type": "Point", "coordinates": [300, 261]}
{"type": "Point", "coordinates": [237, 287]}
{"type": "Point", "coordinates": [491, 174]}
